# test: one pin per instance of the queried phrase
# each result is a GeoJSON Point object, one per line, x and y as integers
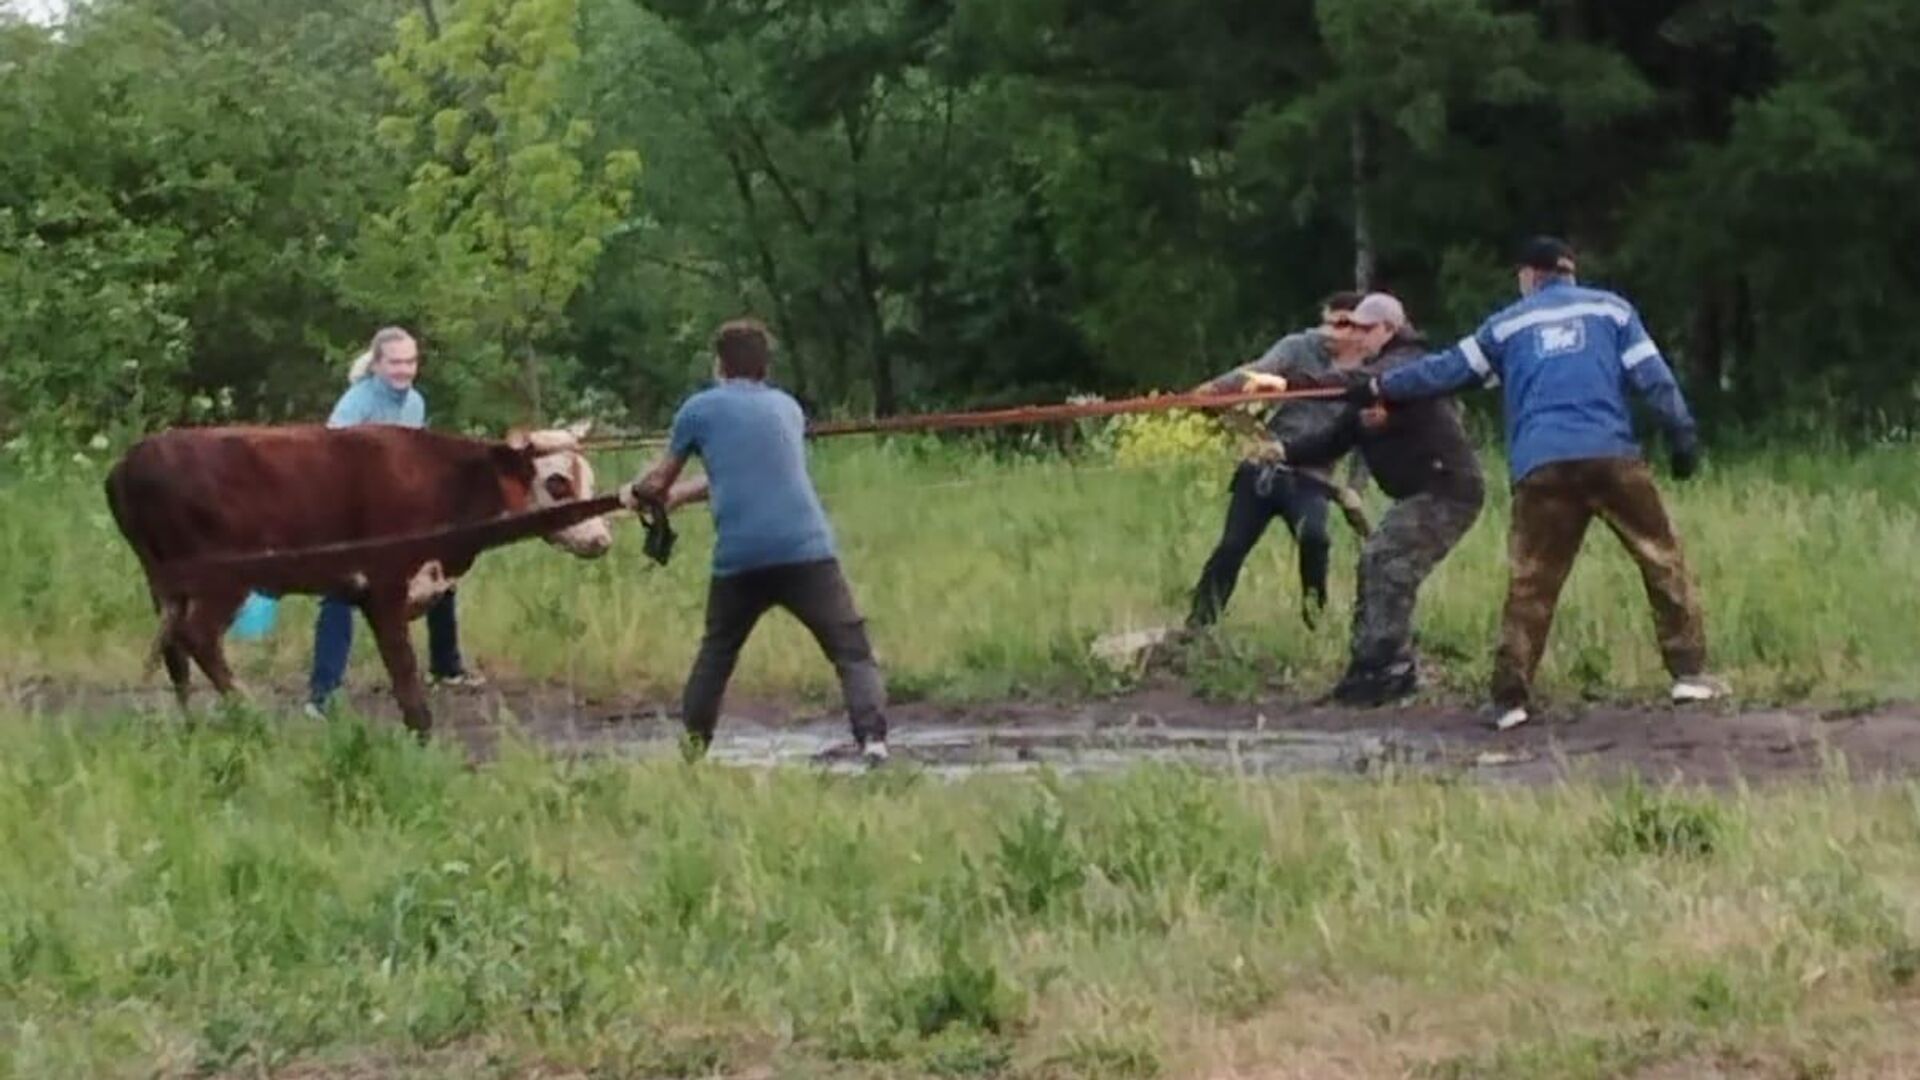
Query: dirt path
{"type": "Point", "coordinates": [1271, 737]}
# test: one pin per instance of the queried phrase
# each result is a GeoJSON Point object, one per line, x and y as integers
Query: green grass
{"type": "Point", "coordinates": [246, 895]}
{"type": "Point", "coordinates": [984, 576]}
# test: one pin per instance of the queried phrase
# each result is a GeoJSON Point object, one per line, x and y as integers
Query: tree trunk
{"type": "Point", "coordinates": [853, 124]}
{"type": "Point", "coordinates": [1706, 338]}
{"type": "Point", "coordinates": [930, 249]}
{"type": "Point", "coordinates": [884, 402]}
{"type": "Point", "coordinates": [783, 324]}
{"type": "Point", "coordinates": [530, 382]}
{"type": "Point", "coordinates": [1365, 258]}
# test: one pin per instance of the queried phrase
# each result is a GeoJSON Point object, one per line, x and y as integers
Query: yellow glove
{"type": "Point", "coordinates": [1258, 382]}
{"type": "Point", "coordinates": [1354, 509]}
{"type": "Point", "coordinates": [1268, 452]}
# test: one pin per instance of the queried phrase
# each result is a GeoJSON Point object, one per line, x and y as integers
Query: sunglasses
{"type": "Point", "coordinates": [1342, 322]}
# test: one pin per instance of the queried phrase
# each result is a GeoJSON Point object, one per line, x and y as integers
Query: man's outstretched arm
{"type": "Point", "coordinates": [1473, 359]}
{"type": "Point", "coordinates": [656, 481]}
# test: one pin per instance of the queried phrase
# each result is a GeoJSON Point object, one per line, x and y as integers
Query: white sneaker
{"type": "Point", "coordinates": [1512, 718]}
{"type": "Point", "coordinates": [874, 753]}
{"type": "Point", "coordinates": [314, 712]}
{"type": "Point", "coordinates": [1694, 689]}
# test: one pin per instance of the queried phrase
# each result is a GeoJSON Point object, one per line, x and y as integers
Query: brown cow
{"type": "Point", "coordinates": [199, 493]}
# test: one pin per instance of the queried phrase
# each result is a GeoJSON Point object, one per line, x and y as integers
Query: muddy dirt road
{"type": "Point", "coordinates": [1271, 737]}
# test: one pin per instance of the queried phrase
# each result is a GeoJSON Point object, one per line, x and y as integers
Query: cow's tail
{"type": "Point", "coordinates": [169, 610]}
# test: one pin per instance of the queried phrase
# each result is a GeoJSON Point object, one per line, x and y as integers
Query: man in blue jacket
{"type": "Point", "coordinates": [1568, 357]}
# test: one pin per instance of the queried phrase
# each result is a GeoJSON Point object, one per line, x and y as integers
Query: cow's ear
{"type": "Point", "coordinates": [520, 438]}
{"type": "Point", "coordinates": [580, 429]}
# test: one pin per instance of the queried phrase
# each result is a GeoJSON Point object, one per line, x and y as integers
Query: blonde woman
{"type": "Point", "coordinates": [380, 391]}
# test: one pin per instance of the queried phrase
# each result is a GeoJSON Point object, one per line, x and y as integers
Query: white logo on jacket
{"type": "Point", "coordinates": [1559, 338]}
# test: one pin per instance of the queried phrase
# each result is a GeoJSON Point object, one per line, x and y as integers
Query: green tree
{"type": "Point", "coordinates": [173, 217]}
{"type": "Point", "coordinates": [1800, 220]}
{"type": "Point", "coordinates": [503, 217]}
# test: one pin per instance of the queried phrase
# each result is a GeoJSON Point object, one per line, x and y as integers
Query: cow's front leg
{"type": "Point", "coordinates": [386, 611]}
{"type": "Point", "coordinates": [200, 630]}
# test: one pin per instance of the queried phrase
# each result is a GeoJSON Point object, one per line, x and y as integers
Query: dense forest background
{"type": "Point", "coordinates": [206, 206]}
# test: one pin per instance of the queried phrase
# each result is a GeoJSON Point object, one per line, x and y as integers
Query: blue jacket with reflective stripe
{"type": "Point", "coordinates": [1567, 356]}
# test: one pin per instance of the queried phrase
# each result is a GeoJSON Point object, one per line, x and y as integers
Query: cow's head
{"type": "Point", "coordinates": [562, 474]}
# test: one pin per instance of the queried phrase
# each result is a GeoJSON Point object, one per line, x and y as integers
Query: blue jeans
{"type": "Point", "coordinates": [333, 641]}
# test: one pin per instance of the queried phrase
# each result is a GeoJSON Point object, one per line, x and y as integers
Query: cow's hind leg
{"type": "Point", "coordinates": [168, 650]}
{"type": "Point", "coordinates": [202, 630]}
{"type": "Point", "coordinates": [387, 613]}
{"type": "Point", "coordinates": [179, 670]}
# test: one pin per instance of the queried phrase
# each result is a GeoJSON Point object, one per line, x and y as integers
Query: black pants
{"type": "Point", "coordinates": [816, 593]}
{"type": "Point", "coordinates": [1302, 504]}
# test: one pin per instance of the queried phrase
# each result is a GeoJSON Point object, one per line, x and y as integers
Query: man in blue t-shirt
{"type": "Point", "coordinates": [1568, 358]}
{"type": "Point", "coordinates": [773, 546]}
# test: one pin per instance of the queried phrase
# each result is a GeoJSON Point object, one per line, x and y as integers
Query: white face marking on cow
{"type": "Point", "coordinates": [562, 474]}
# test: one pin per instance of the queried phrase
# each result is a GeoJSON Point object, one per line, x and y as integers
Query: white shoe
{"type": "Point", "coordinates": [1512, 718]}
{"type": "Point", "coordinates": [874, 753]}
{"type": "Point", "coordinates": [1694, 689]}
{"type": "Point", "coordinates": [314, 712]}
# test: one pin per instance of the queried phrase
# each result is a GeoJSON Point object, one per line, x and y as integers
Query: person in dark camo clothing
{"type": "Point", "coordinates": [1420, 456]}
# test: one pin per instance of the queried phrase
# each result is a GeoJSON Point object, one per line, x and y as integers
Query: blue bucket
{"type": "Point", "coordinates": [255, 619]}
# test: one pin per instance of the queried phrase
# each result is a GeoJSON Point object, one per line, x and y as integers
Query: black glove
{"type": "Point", "coordinates": [1686, 457]}
{"type": "Point", "coordinates": [660, 534]}
{"type": "Point", "coordinates": [1363, 391]}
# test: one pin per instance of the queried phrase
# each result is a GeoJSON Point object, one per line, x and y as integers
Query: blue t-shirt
{"type": "Point", "coordinates": [751, 437]}
{"type": "Point", "coordinates": [372, 401]}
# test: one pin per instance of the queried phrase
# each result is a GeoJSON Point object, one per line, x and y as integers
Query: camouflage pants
{"type": "Point", "coordinates": [1552, 507]}
{"type": "Point", "coordinates": [1413, 536]}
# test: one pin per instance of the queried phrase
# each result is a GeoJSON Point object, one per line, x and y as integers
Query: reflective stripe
{"type": "Point", "coordinates": [1617, 312]}
{"type": "Point", "coordinates": [1477, 360]}
{"type": "Point", "coordinates": [1639, 354]}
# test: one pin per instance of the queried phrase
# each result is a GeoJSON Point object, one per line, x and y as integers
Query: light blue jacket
{"type": "Point", "coordinates": [372, 401]}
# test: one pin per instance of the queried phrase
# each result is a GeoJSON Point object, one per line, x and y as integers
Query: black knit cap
{"type": "Point", "coordinates": [1547, 254]}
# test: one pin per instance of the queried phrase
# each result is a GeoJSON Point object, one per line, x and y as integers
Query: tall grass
{"type": "Point", "coordinates": [243, 896]}
{"type": "Point", "coordinates": [985, 575]}
{"type": "Point", "coordinates": [246, 894]}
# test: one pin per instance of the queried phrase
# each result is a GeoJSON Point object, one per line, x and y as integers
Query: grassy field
{"type": "Point", "coordinates": [252, 898]}
{"type": "Point", "coordinates": [986, 576]}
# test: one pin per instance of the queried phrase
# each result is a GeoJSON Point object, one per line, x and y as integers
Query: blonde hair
{"type": "Point", "coordinates": [362, 365]}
